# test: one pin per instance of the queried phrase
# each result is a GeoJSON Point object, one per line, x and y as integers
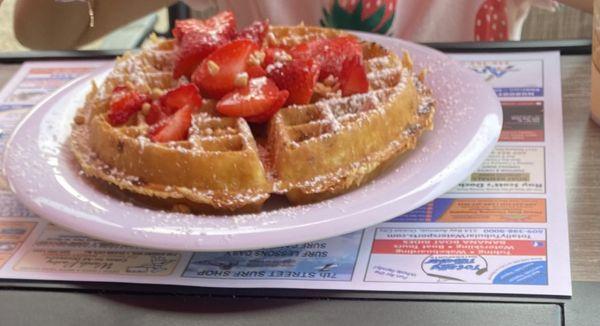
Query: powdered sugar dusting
{"type": "Point", "coordinates": [43, 159]}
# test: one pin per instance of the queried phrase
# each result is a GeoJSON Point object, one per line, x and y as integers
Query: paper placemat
{"type": "Point", "coordinates": [503, 230]}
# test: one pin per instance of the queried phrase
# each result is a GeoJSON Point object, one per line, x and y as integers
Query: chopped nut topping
{"type": "Point", "coordinates": [146, 108]}
{"type": "Point", "coordinates": [322, 91]}
{"type": "Point", "coordinates": [141, 119]}
{"type": "Point", "coordinates": [213, 67]}
{"type": "Point", "coordinates": [241, 79]}
{"type": "Point", "coordinates": [257, 58]}
{"type": "Point", "coordinates": [157, 93]}
{"type": "Point", "coordinates": [167, 45]}
{"type": "Point", "coordinates": [282, 56]}
{"type": "Point", "coordinates": [330, 80]}
{"type": "Point", "coordinates": [271, 38]}
{"type": "Point", "coordinates": [407, 60]}
{"type": "Point", "coordinates": [79, 119]}
{"type": "Point", "coordinates": [422, 75]}
{"type": "Point", "coordinates": [321, 88]}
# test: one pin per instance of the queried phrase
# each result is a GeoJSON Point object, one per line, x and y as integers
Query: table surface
{"type": "Point", "coordinates": [582, 169]}
{"type": "Point", "coordinates": [582, 165]}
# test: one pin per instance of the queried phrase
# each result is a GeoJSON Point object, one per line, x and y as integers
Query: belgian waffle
{"type": "Point", "coordinates": [310, 152]}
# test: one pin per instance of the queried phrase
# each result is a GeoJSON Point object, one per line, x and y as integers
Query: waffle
{"type": "Point", "coordinates": [307, 152]}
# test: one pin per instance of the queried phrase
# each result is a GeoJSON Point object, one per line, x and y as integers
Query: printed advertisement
{"type": "Point", "coordinates": [491, 234]}
{"type": "Point", "coordinates": [512, 78]}
{"type": "Point", "coordinates": [10, 206]}
{"type": "Point", "coordinates": [39, 81]}
{"type": "Point", "coordinates": [12, 236]}
{"type": "Point", "coordinates": [330, 259]}
{"type": "Point", "coordinates": [61, 251]}
{"type": "Point", "coordinates": [465, 255]}
{"type": "Point", "coordinates": [478, 210]}
{"type": "Point", "coordinates": [143, 263]}
{"type": "Point", "coordinates": [9, 120]}
{"type": "Point", "coordinates": [523, 121]}
{"type": "Point", "coordinates": [517, 170]}
{"type": "Point", "coordinates": [32, 84]}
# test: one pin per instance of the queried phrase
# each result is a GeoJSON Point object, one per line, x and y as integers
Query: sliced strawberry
{"type": "Point", "coordinates": [265, 116]}
{"type": "Point", "coordinates": [274, 54]}
{"type": "Point", "coordinates": [193, 49]}
{"type": "Point", "coordinates": [353, 77]}
{"type": "Point", "coordinates": [254, 32]}
{"type": "Point", "coordinates": [297, 76]}
{"type": "Point", "coordinates": [199, 38]}
{"type": "Point", "coordinates": [124, 103]}
{"type": "Point", "coordinates": [187, 26]}
{"type": "Point", "coordinates": [307, 50]}
{"type": "Point", "coordinates": [156, 113]}
{"type": "Point", "coordinates": [181, 96]}
{"type": "Point", "coordinates": [255, 71]}
{"type": "Point", "coordinates": [173, 128]}
{"type": "Point", "coordinates": [329, 53]}
{"type": "Point", "coordinates": [222, 23]}
{"type": "Point", "coordinates": [256, 98]}
{"type": "Point", "coordinates": [217, 73]}
{"type": "Point", "coordinates": [172, 101]}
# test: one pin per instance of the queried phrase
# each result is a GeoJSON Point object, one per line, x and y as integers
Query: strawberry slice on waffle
{"type": "Point", "coordinates": [124, 103]}
{"type": "Point", "coordinates": [173, 101]}
{"type": "Point", "coordinates": [353, 77]}
{"type": "Point", "coordinates": [174, 127]}
{"type": "Point", "coordinates": [260, 99]}
{"type": "Point", "coordinates": [297, 76]}
{"type": "Point", "coordinates": [199, 38]}
{"type": "Point", "coordinates": [330, 53]}
{"type": "Point", "coordinates": [254, 32]}
{"type": "Point", "coordinates": [217, 74]}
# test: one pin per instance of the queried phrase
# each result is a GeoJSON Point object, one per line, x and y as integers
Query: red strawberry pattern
{"type": "Point", "coordinates": [491, 21]}
{"type": "Point", "coordinates": [370, 7]}
{"type": "Point", "coordinates": [374, 16]}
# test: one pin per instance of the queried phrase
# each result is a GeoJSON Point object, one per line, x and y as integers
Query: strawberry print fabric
{"type": "Point", "coordinates": [374, 16]}
{"type": "Point", "coordinates": [416, 20]}
{"type": "Point", "coordinates": [491, 21]}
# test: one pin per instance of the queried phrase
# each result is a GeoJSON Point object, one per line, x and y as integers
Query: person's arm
{"type": "Point", "coordinates": [585, 5]}
{"type": "Point", "coordinates": [58, 25]}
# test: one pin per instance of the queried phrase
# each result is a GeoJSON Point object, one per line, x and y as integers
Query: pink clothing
{"type": "Point", "coordinates": [418, 20]}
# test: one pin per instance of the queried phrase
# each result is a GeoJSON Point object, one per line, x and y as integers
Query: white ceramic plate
{"type": "Point", "coordinates": [45, 177]}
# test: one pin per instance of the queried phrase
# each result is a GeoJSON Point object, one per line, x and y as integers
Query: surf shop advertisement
{"type": "Point", "coordinates": [502, 230]}
{"type": "Point", "coordinates": [326, 260]}
{"type": "Point", "coordinates": [459, 255]}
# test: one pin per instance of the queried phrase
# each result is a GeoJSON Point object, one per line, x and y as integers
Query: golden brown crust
{"type": "Point", "coordinates": [313, 152]}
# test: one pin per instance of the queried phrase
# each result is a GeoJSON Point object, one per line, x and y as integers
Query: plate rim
{"type": "Point", "coordinates": [381, 209]}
